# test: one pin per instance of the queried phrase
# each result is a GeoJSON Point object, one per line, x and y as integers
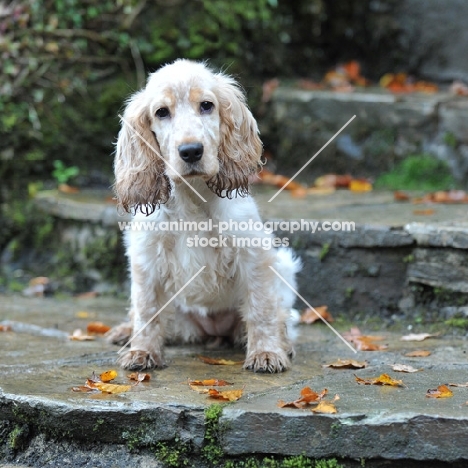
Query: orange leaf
{"type": "Point", "coordinates": [346, 364]}
{"type": "Point", "coordinates": [308, 396]}
{"type": "Point", "coordinates": [312, 315]}
{"type": "Point", "coordinates": [65, 188]}
{"type": "Point", "coordinates": [383, 379]}
{"type": "Point", "coordinates": [300, 192]}
{"type": "Point", "coordinates": [219, 362]}
{"type": "Point", "coordinates": [5, 328]}
{"type": "Point", "coordinates": [226, 395]}
{"type": "Point", "coordinates": [108, 376]}
{"type": "Point", "coordinates": [358, 185]}
{"type": "Point", "coordinates": [426, 212]}
{"type": "Point", "coordinates": [400, 196]}
{"type": "Point", "coordinates": [209, 383]}
{"type": "Point", "coordinates": [97, 328]}
{"type": "Point", "coordinates": [418, 353]}
{"type": "Point", "coordinates": [111, 388]}
{"type": "Point", "coordinates": [326, 407]}
{"type": "Point", "coordinates": [442, 391]}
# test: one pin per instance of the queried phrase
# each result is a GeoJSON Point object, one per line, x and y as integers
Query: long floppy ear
{"type": "Point", "coordinates": [240, 149]}
{"type": "Point", "coordinates": [140, 180]}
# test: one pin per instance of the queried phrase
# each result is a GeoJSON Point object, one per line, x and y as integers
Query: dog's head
{"type": "Point", "coordinates": [187, 122]}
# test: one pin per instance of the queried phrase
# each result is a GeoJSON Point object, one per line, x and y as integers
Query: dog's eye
{"type": "Point", "coordinates": [162, 113]}
{"type": "Point", "coordinates": [206, 107]}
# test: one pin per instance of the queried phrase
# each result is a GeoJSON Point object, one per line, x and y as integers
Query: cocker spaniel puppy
{"type": "Point", "coordinates": [187, 147]}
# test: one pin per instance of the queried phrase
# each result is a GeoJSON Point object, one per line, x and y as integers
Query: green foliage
{"type": "Point", "coordinates": [458, 322]}
{"type": "Point", "coordinates": [62, 173]}
{"type": "Point", "coordinates": [211, 451]}
{"type": "Point", "coordinates": [174, 454]}
{"type": "Point", "coordinates": [324, 251]}
{"type": "Point", "coordinates": [418, 172]}
{"type": "Point", "coordinates": [297, 461]}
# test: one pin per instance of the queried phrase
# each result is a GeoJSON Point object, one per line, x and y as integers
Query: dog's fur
{"type": "Point", "coordinates": [237, 296]}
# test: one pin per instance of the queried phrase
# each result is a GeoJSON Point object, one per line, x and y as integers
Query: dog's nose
{"type": "Point", "coordinates": [191, 152]}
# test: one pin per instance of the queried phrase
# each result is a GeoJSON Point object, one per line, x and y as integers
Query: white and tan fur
{"type": "Point", "coordinates": [237, 297]}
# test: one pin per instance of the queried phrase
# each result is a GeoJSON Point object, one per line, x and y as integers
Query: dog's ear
{"type": "Point", "coordinates": [240, 148]}
{"type": "Point", "coordinates": [140, 180]}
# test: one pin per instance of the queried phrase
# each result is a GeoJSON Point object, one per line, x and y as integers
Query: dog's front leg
{"type": "Point", "coordinates": [147, 342]}
{"type": "Point", "coordinates": [268, 346]}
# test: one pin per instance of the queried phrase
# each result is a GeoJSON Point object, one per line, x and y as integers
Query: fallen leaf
{"type": "Point", "coordinates": [358, 185]}
{"type": "Point", "coordinates": [326, 407]}
{"type": "Point", "coordinates": [97, 328]}
{"type": "Point", "coordinates": [209, 383]}
{"type": "Point", "coordinates": [5, 328]}
{"type": "Point", "coordinates": [442, 391]}
{"type": "Point", "coordinates": [364, 342]}
{"type": "Point", "coordinates": [426, 212]}
{"type": "Point", "coordinates": [108, 376]}
{"type": "Point", "coordinates": [300, 192]}
{"type": "Point", "coordinates": [400, 196]}
{"type": "Point", "coordinates": [78, 335]}
{"type": "Point", "coordinates": [308, 396]}
{"type": "Point", "coordinates": [219, 362]}
{"type": "Point", "coordinates": [312, 315]}
{"type": "Point", "coordinates": [65, 188]}
{"type": "Point", "coordinates": [459, 88]}
{"type": "Point", "coordinates": [320, 190]}
{"type": "Point", "coordinates": [346, 364]}
{"type": "Point", "coordinates": [383, 379]}
{"type": "Point", "coordinates": [84, 389]}
{"type": "Point", "coordinates": [226, 395]}
{"type": "Point", "coordinates": [83, 314]}
{"type": "Point", "coordinates": [139, 377]}
{"type": "Point", "coordinates": [404, 368]}
{"type": "Point", "coordinates": [458, 385]}
{"type": "Point", "coordinates": [333, 181]}
{"type": "Point", "coordinates": [111, 388]}
{"type": "Point", "coordinates": [418, 353]}
{"type": "Point", "coordinates": [87, 295]}
{"type": "Point", "coordinates": [199, 389]}
{"type": "Point", "coordinates": [417, 336]}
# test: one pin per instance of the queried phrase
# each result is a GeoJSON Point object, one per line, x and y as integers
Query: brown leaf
{"type": "Point", "coordinates": [418, 353]}
{"type": "Point", "coordinates": [199, 389]}
{"type": "Point", "coordinates": [383, 379]}
{"type": "Point", "coordinates": [108, 376]}
{"type": "Point", "coordinates": [139, 377]}
{"type": "Point", "coordinates": [400, 196]}
{"type": "Point", "coordinates": [426, 212]}
{"type": "Point", "coordinates": [458, 385]}
{"type": "Point", "coordinates": [404, 368]}
{"type": "Point", "coordinates": [226, 395]}
{"type": "Point", "coordinates": [78, 335]}
{"type": "Point", "coordinates": [5, 328]}
{"type": "Point", "coordinates": [442, 391]}
{"type": "Point", "coordinates": [65, 188]}
{"type": "Point", "coordinates": [364, 342]}
{"type": "Point", "coordinates": [317, 313]}
{"type": "Point", "coordinates": [417, 337]}
{"type": "Point", "coordinates": [346, 364]}
{"type": "Point", "coordinates": [308, 396]}
{"type": "Point", "coordinates": [326, 407]}
{"type": "Point", "coordinates": [97, 328]}
{"type": "Point", "coordinates": [219, 362]}
{"type": "Point", "coordinates": [84, 389]}
{"type": "Point", "coordinates": [209, 383]}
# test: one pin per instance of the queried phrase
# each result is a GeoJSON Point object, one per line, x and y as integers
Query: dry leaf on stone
{"type": "Point", "coordinates": [97, 328]}
{"type": "Point", "coordinates": [308, 396]}
{"type": "Point", "coordinates": [209, 383]}
{"type": "Point", "coordinates": [383, 379]}
{"type": "Point", "coordinates": [418, 353]}
{"type": "Point", "coordinates": [5, 328]}
{"type": "Point", "coordinates": [417, 336]}
{"type": "Point", "coordinates": [111, 388]}
{"type": "Point", "coordinates": [364, 342]}
{"type": "Point", "coordinates": [198, 389]}
{"type": "Point", "coordinates": [78, 335]}
{"type": "Point", "coordinates": [404, 368]}
{"type": "Point", "coordinates": [226, 395]}
{"type": "Point", "coordinates": [108, 376]}
{"type": "Point", "coordinates": [326, 407]}
{"type": "Point", "coordinates": [139, 377]}
{"type": "Point", "coordinates": [219, 362]}
{"type": "Point", "coordinates": [347, 364]}
{"type": "Point", "coordinates": [317, 313]}
{"type": "Point", "coordinates": [458, 384]}
{"type": "Point", "coordinates": [442, 391]}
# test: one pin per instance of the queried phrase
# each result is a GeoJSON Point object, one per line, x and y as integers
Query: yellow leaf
{"type": "Point", "coordinates": [442, 391]}
{"type": "Point", "coordinates": [219, 362]}
{"type": "Point", "coordinates": [111, 388]}
{"type": "Point", "coordinates": [383, 379]}
{"type": "Point", "coordinates": [108, 375]}
{"type": "Point", "coordinates": [226, 395]}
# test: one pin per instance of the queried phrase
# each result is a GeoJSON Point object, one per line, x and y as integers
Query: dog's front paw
{"type": "Point", "coordinates": [267, 361]}
{"type": "Point", "coordinates": [120, 334]}
{"type": "Point", "coordinates": [141, 360]}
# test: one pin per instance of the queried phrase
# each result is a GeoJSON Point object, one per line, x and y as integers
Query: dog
{"type": "Point", "coordinates": [187, 149]}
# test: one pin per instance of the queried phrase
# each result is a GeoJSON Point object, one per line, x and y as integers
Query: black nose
{"type": "Point", "coordinates": [191, 152]}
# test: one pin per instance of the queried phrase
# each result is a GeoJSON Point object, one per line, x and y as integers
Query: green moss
{"type": "Point", "coordinates": [212, 451]}
{"type": "Point", "coordinates": [458, 322]}
{"type": "Point", "coordinates": [174, 454]}
{"type": "Point", "coordinates": [408, 259]}
{"type": "Point", "coordinates": [418, 172]}
{"type": "Point", "coordinates": [324, 251]}
{"type": "Point", "coordinates": [450, 139]}
{"type": "Point", "coordinates": [17, 437]}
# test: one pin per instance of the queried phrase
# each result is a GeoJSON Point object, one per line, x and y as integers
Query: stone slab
{"type": "Point", "coordinates": [36, 373]}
